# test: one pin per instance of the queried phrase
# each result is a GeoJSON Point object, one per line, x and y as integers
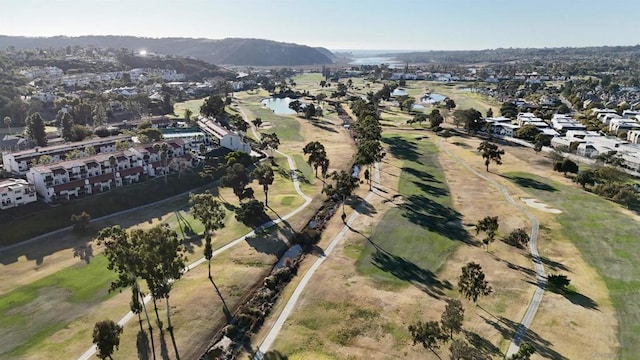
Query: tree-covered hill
{"type": "Point", "coordinates": [233, 51]}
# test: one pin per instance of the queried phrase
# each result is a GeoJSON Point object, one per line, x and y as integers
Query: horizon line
{"type": "Point", "coordinates": [331, 48]}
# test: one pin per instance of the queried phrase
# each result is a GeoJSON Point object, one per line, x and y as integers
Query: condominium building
{"type": "Point", "coordinates": [16, 192]}
{"type": "Point", "coordinates": [102, 172]}
{"type": "Point", "coordinates": [19, 162]}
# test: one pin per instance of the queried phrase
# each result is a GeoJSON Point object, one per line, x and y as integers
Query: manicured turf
{"type": "Point", "coordinates": [607, 238]}
{"type": "Point", "coordinates": [413, 240]}
{"type": "Point", "coordinates": [286, 127]}
{"type": "Point", "coordinates": [193, 105]}
{"type": "Point", "coordinates": [80, 284]}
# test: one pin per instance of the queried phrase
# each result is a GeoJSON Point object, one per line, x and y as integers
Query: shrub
{"type": "Point", "coordinates": [80, 221]}
{"type": "Point", "coordinates": [518, 237]}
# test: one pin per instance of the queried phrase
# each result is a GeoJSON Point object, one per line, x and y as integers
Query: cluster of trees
{"type": "Point", "coordinates": [611, 183]}
{"type": "Point", "coordinates": [317, 157]}
{"type": "Point", "coordinates": [369, 136]}
{"type": "Point", "coordinates": [431, 334]}
{"type": "Point", "coordinates": [156, 256]}
{"type": "Point", "coordinates": [471, 119]}
{"type": "Point", "coordinates": [435, 119]}
{"type": "Point", "coordinates": [309, 110]}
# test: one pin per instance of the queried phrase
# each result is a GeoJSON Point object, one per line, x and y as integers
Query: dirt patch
{"type": "Point", "coordinates": [534, 203]}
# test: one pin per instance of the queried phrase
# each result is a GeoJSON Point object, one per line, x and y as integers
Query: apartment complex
{"type": "Point", "coordinates": [20, 162]}
{"type": "Point", "coordinates": [103, 172]}
{"type": "Point", "coordinates": [16, 192]}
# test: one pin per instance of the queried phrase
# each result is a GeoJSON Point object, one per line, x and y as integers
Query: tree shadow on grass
{"type": "Point", "coordinates": [508, 328]}
{"type": "Point", "coordinates": [486, 348]}
{"type": "Point", "coordinates": [164, 351]}
{"type": "Point", "coordinates": [301, 177]}
{"type": "Point", "coordinates": [554, 265]}
{"type": "Point", "coordinates": [575, 297]}
{"type": "Point", "coordinates": [191, 243]}
{"type": "Point", "coordinates": [406, 270]}
{"type": "Point", "coordinates": [530, 183]}
{"type": "Point", "coordinates": [225, 308]}
{"type": "Point", "coordinates": [322, 126]}
{"type": "Point", "coordinates": [142, 344]}
{"type": "Point", "coordinates": [422, 175]}
{"type": "Point", "coordinates": [361, 205]}
{"type": "Point", "coordinates": [401, 148]}
{"type": "Point", "coordinates": [435, 217]}
{"type": "Point", "coordinates": [269, 241]}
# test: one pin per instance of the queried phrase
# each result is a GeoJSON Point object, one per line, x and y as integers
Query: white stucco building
{"type": "Point", "coordinates": [16, 192]}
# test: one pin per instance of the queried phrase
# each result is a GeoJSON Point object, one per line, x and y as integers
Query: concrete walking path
{"type": "Point", "coordinates": [291, 303]}
{"type": "Point", "coordinates": [533, 248]}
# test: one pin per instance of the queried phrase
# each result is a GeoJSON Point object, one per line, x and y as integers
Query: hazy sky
{"type": "Point", "coordinates": [339, 24]}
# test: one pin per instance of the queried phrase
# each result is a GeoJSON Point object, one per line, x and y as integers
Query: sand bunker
{"type": "Point", "coordinates": [540, 206]}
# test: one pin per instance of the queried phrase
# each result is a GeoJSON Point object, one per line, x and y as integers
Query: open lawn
{"type": "Point", "coordinates": [607, 237]}
{"type": "Point", "coordinates": [414, 239]}
{"type": "Point", "coordinates": [33, 312]}
{"type": "Point", "coordinates": [286, 127]}
{"type": "Point", "coordinates": [193, 105]}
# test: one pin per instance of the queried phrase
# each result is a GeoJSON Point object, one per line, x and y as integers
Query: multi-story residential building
{"type": "Point", "coordinates": [16, 192]}
{"type": "Point", "coordinates": [102, 172]}
{"type": "Point", "coordinates": [227, 139]}
{"type": "Point", "coordinates": [20, 162]}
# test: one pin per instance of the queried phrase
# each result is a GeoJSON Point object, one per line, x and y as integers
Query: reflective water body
{"type": "Point", "coordinates": [279, 106]}
{"type": "Point", "coordinates": [433, 98]}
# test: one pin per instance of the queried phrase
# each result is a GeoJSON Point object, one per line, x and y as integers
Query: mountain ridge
{"type": "Point", "coordinates": [228, 51]}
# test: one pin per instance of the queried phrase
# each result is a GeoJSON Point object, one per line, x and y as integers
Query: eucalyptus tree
{"type": "Point", "coordinates": [317, 155]}
{"type": "Point", "coordinates": [270, 141]}
{"type": "Point", "coordinates": [490, 152]}
{"type": "Point", "coordinates": [368, 153]}
{"type": "Point", "coordinates": [264, 174]}
{"type": "Point", "coordinates": [163, 262]}
{"type": "Point", "coordinates": [210, 212]}
{"type": "Point", "coordinates": [489, 225]}
{"type": "Point", "coordinates": [123, 254]}
{"type": "Point", "coordinates": [106, 337]}
{"type": "Point", "coordinates": [472, 282]}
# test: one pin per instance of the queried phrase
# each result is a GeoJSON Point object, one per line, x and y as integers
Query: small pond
{"type": "Point", "coordinates": [279, 106]}
{"type": "Point", "coordinates": [399, 92]}
{"type": "Point", "coordinates": [432, 98]}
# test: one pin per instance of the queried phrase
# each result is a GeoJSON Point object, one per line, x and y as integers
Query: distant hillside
{"type": "Point", "coordinates": [233, 51]}
{"type": "Point", "coordinates": [515, 54]}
